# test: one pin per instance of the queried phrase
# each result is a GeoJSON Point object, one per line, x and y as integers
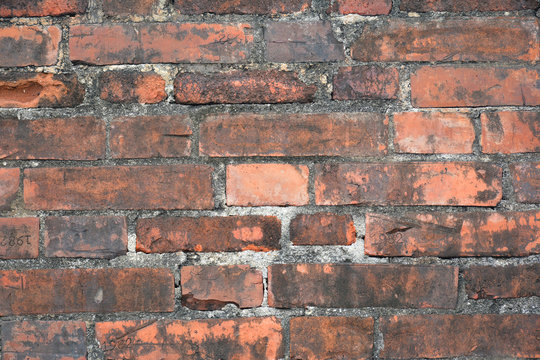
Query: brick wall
{"type": "Point", "coordinates": [266, 179]}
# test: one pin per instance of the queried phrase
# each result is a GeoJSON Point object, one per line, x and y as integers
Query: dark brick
{"type": "Point", "coordinates": [132, 87]}
{"type": "Point", "coordinates": [128, 7]}
{"type": "Point", "coordinates": [9, 186]}
{"type": "Point", "coordinates": [29, 45]}
{"type": "Point", "coordinates": [322, 229]}
{"type": "Point", "coordinates": [494, 282]}
{"type": "Point", "coordinates": [467, 5]}
{"type": "Point", "coordinates": [366, 82]}
{"type": "Point", "coordinates": [526, 181]}
{"type": "Point", "coordinates": [262, 7]}
{"type": "Point", "coordinates": [19, 238]}
{"type": "Point", "coordinates": [361, 7]}
{"type": "Point", "coordinates": [16, 8]}
{"type": "Point", "coordinates": [510, 132]}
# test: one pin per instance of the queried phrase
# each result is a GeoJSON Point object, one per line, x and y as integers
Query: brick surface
{"type": "Point", "coordinates": [359, 285]}
{"type": "Point", "coordinates": [75, 138]}
{"type": "Point", "coordinates": [495, 282]}
{"type": "Point", "coordinates": [64, 340]}
{"type": "Point", "coordinates": [151, 136]}
{"type": "Point", "coordinates": [19, 238]}
{"type": "Point", "coordinates": [243, 338]}
{"type": "Point", "coordinates": [13, 8]}
{"type": "Point", "coordinates": [129, 7]}
{"type": "Point", "coordinates": [526, 181]}
{"type": "Point", "coordinates": [267, 184]}
{"type": "Point", "coordinates": [366, 82]}
{"type": "Point", "coordinates": [9, 186]}
{"type": "Point", "coordinates": [241, 6]}
{"type": "Point", "coordinates": [474, 86]}
{"type": "Point", "coordinates": [444, 336]}
{"type": "Point", "coordinates": [122, 187]}
{"type": "Point", "coordinates": [29, 45]}
{"type": "Point", "coordinates": [337, 134]}
{"type": "Point", "coordinates": [326, 338]}
{"type": "Point", "coordinates": [31, 90]}
{"type": "Point", "coordinates": [425, 183]}
{"type": "Point", "coordinates": [453, 234]}
{"type": "Point", "coordinates": [213, 287]}
{"type": "Point", "coordinates": [476, 39]}
{"type": "Point", "coordinates": [239, 87]}
{"type": "Point", "coordinates": [209, 234]}
{"type": "Point", "coordinates": [85, 236]}
{"type": "Point", "coordinates": [361, 7]}
{"type": "Point", "coordinates": [132, 87]}
{"type": "Point", "coordinates": [160, 43]}
{"type": "Point", "coordinates": [58, 291]}
{"type": "Point", "coordinates": [433, 133]}
{"type": "Point", "coordinates": [466, 5]}
{"type": "Point", "coordinates": [322, 229]}
{"type": "Point", "coordinates": [510, 132]}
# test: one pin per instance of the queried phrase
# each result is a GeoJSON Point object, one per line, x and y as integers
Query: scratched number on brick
{"type": "Point", "coordinates": [13, 240]}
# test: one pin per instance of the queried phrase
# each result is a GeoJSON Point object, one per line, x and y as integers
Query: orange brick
{"type": "Point", "coordinates": [510, 132]}
{"type": "Point", "coordinates": [29, 45]}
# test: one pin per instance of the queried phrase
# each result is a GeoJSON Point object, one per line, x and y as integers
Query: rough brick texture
{"type": "Point", "coordinates": [29, 45]}
{"type": "Point", "coordinates": [467, 5]}
{"type": "Point", "coordinates": [361, 7]}
{"type": "Point", "coordinates": [13, 8]}
{"type": "Point", "coordinates": [366, 82]}
{"type": "Point", "coordinates": [20, 238]}
{"type": "Point", "coordinates": [323, 229]}
{"type": "Point", "coordinates": [525, 178]}
{"type": "Point", "coordinates": [9, 186]}
{"type": "Point", "coordinates": [262, 7]}
{"type": "Point", "coordinates": [510, 132]}
{"type": "Point", "coordinates": [132, 86]}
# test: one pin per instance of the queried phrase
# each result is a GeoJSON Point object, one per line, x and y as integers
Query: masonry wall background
{"type": "Point", "coordinates": [302, 179]}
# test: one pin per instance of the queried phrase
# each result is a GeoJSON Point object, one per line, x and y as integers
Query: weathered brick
{"type": "Point", "coordinates": [361, 7]}
{"type": "Point", "coordinates": [526, 180]}
{"type": "Point", "coordinates": [366, 82]}
{"type": "Point", "coordinates": [241, 338]}
{"type": "Point", "coordinates": [209, 234]}
{"type": "Point", "coordinates": [29, 45]}
{"type": "Point", "coordinates": [57, 291]}
{"type": "Point", "coordinates": [9, 186]}
{"type": "Point", "coordinates": [213, 287]}
{"type": "Point", "coordinates": [64, 340]}
{"type": "Point", "coordinates": [76, 138]}
{"type": "Point", "coordinates": [15, 8]}
{"type": "Point", "coordinates": [510, 132]}
{"type": "Point", "coordinates": [453, 234]}
{"type": "Point", "coordinates": [326, 338]}
{"type": "Point", "coordinates": [237, 87]}
{"type": "Point", "coordinates": [494, 282]}
{"type": "Point", "coordinates": [322, 229]}
{"type": "Point", "coordinates": [466, 5]}
{"type": "Point", "coordinates": [19, 238]}
{"type": "Point", "coordinates": [138, 43]}
{"type": "Point", "coordinates": [433, 133]}
{"type": "Point", "coordinates": [475, 39]}
{"type": "Point", "coordinates": [267, 184]}
{"type": "Point", "coordinates": [129, 7]}
{"type": "Point", "coordinates": [445, 336]}
{"type": "Point", "coordinates": [150, 136]}
{"type": "Point", "coordinates": [122, 187]}
{"type": "Point", "coordinates": [241, 6]}
{"type": "Point", "coordinates": [359, 285]}
{"type": "Point", "coordinates": [414, 183]}
{"type": "Point", "coordinates": [85, 236]}
{"type": "Point", "coordinates": [334, 134]}
{"type": "Point", "coordinates": [30, 90]}
{"type": "Point", "coordinates": [439, 86]}
{"type": "Point", "coordinates": [132, 87]}
{"type": "Point", "coordinates": [302, 42]}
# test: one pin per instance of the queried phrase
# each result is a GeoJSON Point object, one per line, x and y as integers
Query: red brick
{"type": "Point", "coordinates": [129, 7]}
{"type": "Point", "coordinates": [132, 87]}
{"type": "Point", "coordinates": [160, 43]}
{"type": "Point", "coordinates": [76, 138]}
{"type": "Point", "coordinates": [15, 8]}
{"type": "Point", "coordinates": [334, 134]}
{"type": "Point", "coordinates": [213, 287]}
{"type": "Point", "coordinates": [58, 291]}
{"type": "Point", "coordinates": [9, 186]}
{"type": "Point", "coordinates": [29, 45]}
{"type": "Point", "coordinates": [151, 136]}
{"type": "Point", "coordinates": [359, 285]}
{"type": "Point", "coordinates": [366, 82]}
{"type": "Point", "coordinates": [19, 238]}
{"type": "Point", "coordinates": [474, 86]}
{"type": "Point", "coordinates": [476, 39]}
{"type": "Point", "coordinates": [302, 42]}
{"type": "Point", "coordinates": [31, 90]}
{"type": "Point", "coordinates": [267, 184]}
{"type": "Point", "coordinates": [414, 183]}
{"type": "Point", "coordinates": [467, 5]}
{"type": "Point", "coordinates": [510, 132]}
{"type": "Point", "coordinates": [453, 234]}
{"type": "Point", "coordinates": [322, 229]}
{"type": "Point", "coordinates": [241, 338]}
{"type": "Point", "coordinates": [444, 336]}
{"type": "Point", "coordinates": [361, 7]}
{"type": "Point", "coordinates": [526, 181]}
{"type": "Point", "coordinates": [85, 236]}
{"type": "Point", "coordinates": [209, 234]}
{"type": "Point", "coordinates": [237, 87]}
{"type": "Point", "coordinates": [433, 133]}
{"type": "Point", "coordinates": [122, 187]}
{"type": "Point", "coordinates": [494, 282]}
{"type": "Point", "coordinates": [64, 340]}
{"type": "Point", "coordinates": [325, 338]}
{"type": "Point", "coordinates": [262, 7]}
